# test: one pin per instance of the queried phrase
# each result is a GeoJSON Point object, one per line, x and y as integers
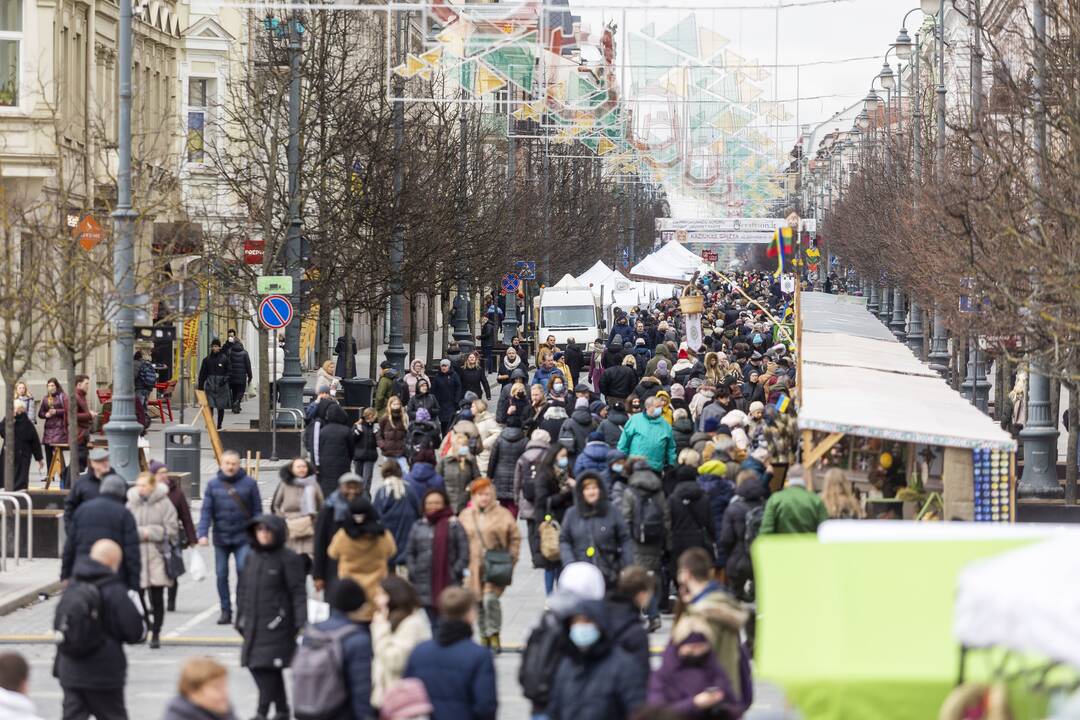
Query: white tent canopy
{"type": "Point", "coordinates": [672, 262]}
{"type": "Point", "coordinates": [568, 282]}
{"type": "Point", "coordinates": [596, 275]}
{"type": "Point", "coordinates": [1026, 600]}
{"type": "Point", "coordinates": [858, 379]}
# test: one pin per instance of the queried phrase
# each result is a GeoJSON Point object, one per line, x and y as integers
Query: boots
{"type": "Point", "coordinates": [225, 618]}
{"type": "Point", "coordinates": [155, 641]}
{"type": "Point", "coordinates": [494, 643]}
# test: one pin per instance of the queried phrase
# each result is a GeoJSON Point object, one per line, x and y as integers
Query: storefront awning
{"type": "Point", "coordinates": [858, 379]}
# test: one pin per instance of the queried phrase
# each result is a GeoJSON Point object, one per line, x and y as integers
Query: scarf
{"type": "Point", "coordinates": [440, 551]}
{"type": "Point", "coordinates": [511, 366]}
{"type": "Point", "coordinates": [307, 499]}
{"type": "Point", "coordinates": [451, 631]}
{"type": "Point", "coordinates": [339, 505]}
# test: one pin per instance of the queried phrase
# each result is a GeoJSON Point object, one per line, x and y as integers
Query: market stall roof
{"type": "Point", "coordinates": [670, 262]}
{"type": "Point", "coordinates": [858, 379]}
{"type": "Point", "coordinates": [595, 275]}
{"type": "Point", "coordinates": [568, 281]}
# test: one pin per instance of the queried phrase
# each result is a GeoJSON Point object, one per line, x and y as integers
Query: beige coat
{"type": "Point", "coordinates": [156, 519]}
{"type": "Point", "coordinates": [286, 504]}
{"type": "Point", "coordinates": [500, 532]}
{"type": "Point", "coordinates": [489, 431]}
{"type": "Point", "coordinates": [392, 648]}
{"type": "Point", "coordinates": [363, 559]}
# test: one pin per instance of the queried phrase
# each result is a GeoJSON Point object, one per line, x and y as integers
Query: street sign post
{"type": "Point", "coordinates": [275, 312]}
{"type": "Point", "coordinates": [510, 282]}
{"type": "Point", "coordinates": [274, 285]}
{"type": "Point", "coordinates": [526, 269]}
{"type": "Point", "coordinates": [709, 256]}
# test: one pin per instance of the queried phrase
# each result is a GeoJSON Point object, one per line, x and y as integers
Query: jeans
{"type": "Point", "coordinates": [221, 567]}
{"type": "Point", "coordinates": [550, 576]}
{"type": "Point", "coordinates": [653, 610]}
{"type": "Point", "coordinates": [490, 612]}
{"type": "Point", "coordinates": [366, 470]}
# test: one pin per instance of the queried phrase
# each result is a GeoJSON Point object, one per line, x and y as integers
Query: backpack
{"type": "Point", "coordinates": [318, 673]}
{"type": "Point", "coordinates": [528, 483]}
{"type": "Point", "coordinates": [540, 659]}
{"type": "Point", "coordinates": [568, 438]}
{"type": "Point", "coordinates": [648, 520]}
{"type": "Point", "coordinates": [752, 524]}
{"type": "Point", "coordinates": [77, 623]}
{"type": "Point", "coordinates": [147, 376]}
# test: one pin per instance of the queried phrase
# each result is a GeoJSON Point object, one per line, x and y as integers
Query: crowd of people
{"type": "Point", "coordinates": [643, 469]}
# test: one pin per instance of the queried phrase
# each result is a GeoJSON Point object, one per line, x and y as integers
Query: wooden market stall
{"type": "Point", "coordinates": [870, 407]}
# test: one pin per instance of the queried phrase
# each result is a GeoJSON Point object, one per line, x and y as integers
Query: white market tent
{"type": "Point", "coordinates": [595, 276]}
{"type": "Point", "coordinates": [1026, 600]}
{"type": "Point", "coordinates": [568, 282]}
{"type": "Point", "coordinates": [671, 263]}
{"type": "Point", "coordinates": [858, 379]}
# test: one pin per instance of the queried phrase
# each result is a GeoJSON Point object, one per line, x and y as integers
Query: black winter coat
{"type": "Point", "coordinates": [365, 442]}
{"type": "Point", "coordinates": [27, 447]}
{"type": "Point", "coordinates": [503, 459]}
{"type": "Point", "coordinates": [732, 540]}
{"type": "Point", "coordinates": [428, 401]}
{"type": "Point", "coordinates": [446, 387]}
{"type": "Point", "coordinates": [239, 365]}
{"type": "Point", "coordinates": [106, 667]}
{"type": "Point", "coordinates": [575, 360]}
{"type": "Point", "coordinates": [87, 487]}
{"type": "Point", "coordinates": [600, 527]}
{"type": "Point", "coordinates": [271, 599]}
{"type": "Point", "coordinates": [691, 519]}
{"type": "Point", "coordinates": [574, 433]}
{"type": "Point", "coordinates": [418, 555]}
{"type": "Point", "coordinates": [336, 448]}
{"type": "Point", "coordinates": [683, 430]}
{"type": "Point", "coordinates": [475, 380]}
{"type": "Point", "coordinates": [104, 517]}
{"type": "Point", "coordinates": [612, 425]}
{"type": "Point", "coordinates": [618, 382]}
{"type": "Point", "coordinates": [551, 418]}
{"type": "Point", "coordinates": [627, 632]}
{"type": "Point", "coordinates": [599, 683]}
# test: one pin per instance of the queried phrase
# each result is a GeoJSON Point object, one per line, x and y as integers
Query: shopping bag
{"type": "Point", "coordinates": [317, 611]}
{"type": "Point", "coordinates": [196, 566]}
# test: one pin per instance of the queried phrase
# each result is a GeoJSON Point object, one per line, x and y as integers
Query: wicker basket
{"type": "Point", "coordinates": [692, 304]}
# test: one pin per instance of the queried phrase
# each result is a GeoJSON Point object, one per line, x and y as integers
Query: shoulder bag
{"type": "Point", "coordinates": [498, 568]}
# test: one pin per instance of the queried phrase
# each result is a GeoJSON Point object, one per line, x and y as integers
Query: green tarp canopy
{"type": "Point", "coordinates": [863, 630]}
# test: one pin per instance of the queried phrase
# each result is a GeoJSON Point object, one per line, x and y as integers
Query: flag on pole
{"type": "Point", "coordinates": [782, 246]}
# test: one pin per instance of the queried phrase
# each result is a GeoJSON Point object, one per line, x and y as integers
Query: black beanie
{"type": "Point", "coordinates": [348, 596]}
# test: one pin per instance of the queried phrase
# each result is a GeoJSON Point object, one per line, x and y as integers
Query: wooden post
{"type": "Point", "coordinates": [211, 427]}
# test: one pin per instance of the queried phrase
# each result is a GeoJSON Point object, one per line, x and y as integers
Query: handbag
{"type": "Point", "coordinates": [549, 537]}
{"type": "Point", "coordinates": [300, 527]}
{"type": "Point", "coordinates": [173, 555]}
{"type": "Point", "coordinates": [498, 568]}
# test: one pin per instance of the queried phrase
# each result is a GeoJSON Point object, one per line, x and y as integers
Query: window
{"type": "Point", "coordinates": [568, 317]}
{"type": "Point", "coordinates": [199, 90]}
{"type": "Point", "coordinates": [10, 45]}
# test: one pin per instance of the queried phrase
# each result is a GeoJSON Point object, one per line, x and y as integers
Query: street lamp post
{"type": "Point", "coordinates": [395, 349]}
{"type": "Point", "coordinates": [292, 381]}
{"type": "Point", "coordinates": [885, 311]}
{"type": "Point", "coordinates": [899, 315]}
{"type": "Point", "coordinates": [874, 305]}
{"type": "Point", "coordinates": [461, 301]}
{"type": "Point", "coordinates": [939, 344]}
{"type": "Point", "coordinates": [510, 318]}
{"type": "Point", "coordinates": [123, 429]}
{"type": "Point", "coordinates": [1040, 431]}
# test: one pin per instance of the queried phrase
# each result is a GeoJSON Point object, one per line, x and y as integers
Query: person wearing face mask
{"type": "Point", "coordinates": [689, 680]}
{"type": "Point", "coordinates": [555, 410]}
{"type": "Point", "coordinates": [553, 493]}
{"type": "Point", "coordinates": [594, 531]}
{"type": "Point", "coordinates": [647, 434]}
{"type": "Point", "coordinates": [596, 679]}
{"type": "Point", "coordinates": [331, 519]}
{"type": "Point", "coordinates": [458, 469]}
{"type": "Point", "coordinates": [363, 549]}
{"type": "Point", "coordinates": [393, 431]}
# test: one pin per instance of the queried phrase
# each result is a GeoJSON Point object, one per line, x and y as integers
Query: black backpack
{"type": "Point", "coordinates": [528, 483]}
{"type": "Point", "coordinates": [540, 659]}
{"type": "Point", "coordinates": [648, 520]}
{"type": "Point", "coordinates": [77, 624]}
{"type": "Point", "coordinates": [148, 375]}
{"type": "Point", "coordinates": [753, 518]}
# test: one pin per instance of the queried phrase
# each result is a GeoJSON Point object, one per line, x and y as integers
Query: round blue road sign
{"type": "Point", "coordinates": [275, 311]}
{"type": "Point", "coordinates": [510, 282]}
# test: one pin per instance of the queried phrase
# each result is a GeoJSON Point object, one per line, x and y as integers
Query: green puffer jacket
{"type": "Point", "coordinates": [650, 438]}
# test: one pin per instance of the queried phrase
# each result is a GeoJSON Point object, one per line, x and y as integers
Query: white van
{"type": "Point", "coordinates": [568, 310]}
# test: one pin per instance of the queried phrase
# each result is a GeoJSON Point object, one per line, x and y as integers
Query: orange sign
{"type": "Point", "coordinates": [89, 233]}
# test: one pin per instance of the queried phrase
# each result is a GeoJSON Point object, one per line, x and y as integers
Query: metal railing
{"type": "Point", "coordinates": [16, 495]}
{"type": "Point", "coordinates": [298, 420]}
{"type": "Point", "coordinates": [3, 530]}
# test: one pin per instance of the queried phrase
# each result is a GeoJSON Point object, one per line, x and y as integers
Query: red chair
{"type": "Point", "coordinates": [162, 399]}
{"type": "Point", "coordinates": [105, 400]}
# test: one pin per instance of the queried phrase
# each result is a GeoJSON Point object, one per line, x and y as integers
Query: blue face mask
{"type": "Point", "coordinates": [557, 387]}
{"type": "Point", "coordinates": [617, 468]}
{"type": "Point", "coordinates": [656, 412]}
{"type": "Point", "coordinates": [563, 462]}
{"type": "Point", "coordinates": [463, 451]}
{"type": "Point", "coordinates": [584, 635]}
